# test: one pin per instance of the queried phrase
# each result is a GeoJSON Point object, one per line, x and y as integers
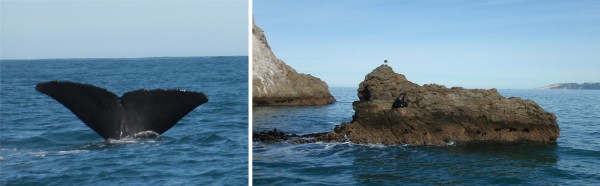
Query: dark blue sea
{"type": "Point", "coordinates": [573, 160]}
{"type": "Point", "coordinates": [43, 143]}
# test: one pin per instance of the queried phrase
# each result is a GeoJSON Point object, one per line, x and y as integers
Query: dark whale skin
{"type": "Point", "coordinates": [114, 117]}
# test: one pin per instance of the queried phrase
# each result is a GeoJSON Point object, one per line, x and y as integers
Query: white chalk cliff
{"type": "Point", "coordinates": [276, 83]}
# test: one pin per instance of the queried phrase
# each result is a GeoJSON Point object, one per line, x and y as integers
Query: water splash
{"type": "Point", "coordinates": [146, 134]}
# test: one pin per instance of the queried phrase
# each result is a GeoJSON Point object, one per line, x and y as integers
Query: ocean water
{"type": "Point", "coordinates": [43, 143]}
{"type": "Point", "coordinates": [573, 160]}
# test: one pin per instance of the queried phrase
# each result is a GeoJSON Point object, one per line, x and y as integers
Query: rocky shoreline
{"type": "Point", "coordinates": [573, 86]}
{"type": "Point", "coordinates": [392, 110]}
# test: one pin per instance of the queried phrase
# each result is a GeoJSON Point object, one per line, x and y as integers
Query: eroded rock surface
{"type": "Point", "coordinates": [276, 83]}
{"type": "Point", "coordinates": [436, 115]}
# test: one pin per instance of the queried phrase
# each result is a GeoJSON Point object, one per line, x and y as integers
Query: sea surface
{"type": "Point", "coordinates": [573, 160]}
{"type": "Point", "coordinates": [43, 143]}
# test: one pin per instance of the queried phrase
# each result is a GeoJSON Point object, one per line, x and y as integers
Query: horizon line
{"type": "Point", "coordinates": [91, 58]}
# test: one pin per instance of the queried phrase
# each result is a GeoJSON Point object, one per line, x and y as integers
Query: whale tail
{"type": "Point", "coordinates": [114, 117]}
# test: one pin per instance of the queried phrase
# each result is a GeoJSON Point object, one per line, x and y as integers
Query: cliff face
{"type": "Point", "coordinates": [435, 115]}
{"type": "Point", "coordinates": [574, 86]}
{"type": "Point", "coordinates": [276, 83]}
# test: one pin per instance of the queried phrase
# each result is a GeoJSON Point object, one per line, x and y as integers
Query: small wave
{"type": "Point", "coordinates": [130, 140]}
{"type": "Point", "coordinates": [123, 140]}
{"type": "Point", "coordinates": [146, 134]}
{"type": "Point", "coordinates": [376, 145]}
{"type": "Point", "coordinates": [347, 143]}
{"type": "Point", "coordinates": [135, 138]}
{"type": "Point", "coordinates": [212, 138]}
{"type": "Point", "coordinates": [61, 152]}
{"type": "Point", "coordinates": [330, 145]}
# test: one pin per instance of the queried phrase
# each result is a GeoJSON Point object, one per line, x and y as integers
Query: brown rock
{"type": "Point", "coordinates": [436, 115]}
{"type": "Point", "coordinates": [276, 83]}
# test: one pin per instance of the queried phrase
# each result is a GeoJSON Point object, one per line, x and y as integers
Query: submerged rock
{"type": "Point", "coordinates": [275, 135]}
{"type": "Point", "coordinates": [436, 115]}
{"type": "Point", "coordinates": [269, 136]}
{"type": "Point", "coordinates": [276, 83]}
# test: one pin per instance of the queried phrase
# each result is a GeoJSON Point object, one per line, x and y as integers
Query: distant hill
{"type": "Point", "coordinates": [573, 86]}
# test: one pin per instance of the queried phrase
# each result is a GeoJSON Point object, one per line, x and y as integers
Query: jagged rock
{"type": "Point", "coordinates": [276, 83]}
{"type": "Point", "coordinates": [436, 115]}
{"type": "Point", "coordinates": [269, 136]}
{"type": "Point", "coordinates": [275, 135]}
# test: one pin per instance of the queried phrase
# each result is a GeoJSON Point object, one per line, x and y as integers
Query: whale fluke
{"type": "Point", "coordinates": [114, 117]}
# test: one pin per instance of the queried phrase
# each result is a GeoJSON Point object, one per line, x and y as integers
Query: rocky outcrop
{"type": "Point", "coordinates": [276, 83]}
{"type": "Point", "coordinates": [435, 115]}
{"type": "Point", "coordinates": [574, 86]}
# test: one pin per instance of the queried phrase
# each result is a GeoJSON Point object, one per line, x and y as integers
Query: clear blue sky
{"type": "Point", "coordinates": [473, 44]}
{"type": "Point", "coordinates": [109, 29]}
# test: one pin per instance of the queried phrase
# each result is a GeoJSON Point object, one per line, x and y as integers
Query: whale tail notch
{"type": "Point", "coordinates": [114, 117]}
